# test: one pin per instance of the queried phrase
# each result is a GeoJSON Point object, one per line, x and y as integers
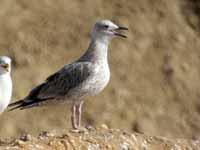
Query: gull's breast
{"type": "Point", "coordinates": [98, 80]}
{"type": "Point", "coordinates": [94, 84]}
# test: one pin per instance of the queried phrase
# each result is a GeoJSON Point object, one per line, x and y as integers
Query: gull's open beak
{"type": "Point", "coordinates": [5, 66]}
{"type": "Point", "coordinates": [119, 34]}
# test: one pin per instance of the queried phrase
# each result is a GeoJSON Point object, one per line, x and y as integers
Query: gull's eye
{"type": "Point", "coordinates": [106, 26]}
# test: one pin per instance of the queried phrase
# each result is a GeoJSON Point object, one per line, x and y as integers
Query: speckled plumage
{"type": "Point", "coordinates": [87, 76]}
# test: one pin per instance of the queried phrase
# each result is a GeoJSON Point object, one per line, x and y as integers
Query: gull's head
{"type": "Point", "coordinates": [5, 65]}
{"type": "Point", "coordinates": [106, 30]}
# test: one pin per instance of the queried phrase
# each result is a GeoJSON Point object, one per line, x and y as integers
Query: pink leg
{"type": "Point", "coordinates": [78, 113]}
{"type": "Point", "coordinates": [73, 117]}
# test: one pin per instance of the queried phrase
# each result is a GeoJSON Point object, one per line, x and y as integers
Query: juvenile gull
{"type": "Point", "coordinates": [5, 82]}
{"type": "Point", "coordinates": [85, 77]}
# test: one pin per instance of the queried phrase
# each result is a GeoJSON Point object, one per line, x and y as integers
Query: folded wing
{"type": "Point", "coordinates": [56, 85]}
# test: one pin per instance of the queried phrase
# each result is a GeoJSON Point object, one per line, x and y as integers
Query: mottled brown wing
{"type": "Point", "coordinates": [57, 85]}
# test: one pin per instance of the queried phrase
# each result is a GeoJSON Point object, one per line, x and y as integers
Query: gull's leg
{"type": "Point", "coordinates": [76, 117]}
{"type": "Point", "coordinates": [73, 117]}
{"type": "Point", "coordinates": [79, 113]}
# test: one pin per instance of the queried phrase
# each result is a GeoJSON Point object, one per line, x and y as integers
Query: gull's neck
{"type": "Point", "coordinates": [97, 50]}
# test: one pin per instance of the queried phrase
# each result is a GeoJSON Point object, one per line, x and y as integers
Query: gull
{"type": "Point", "coordinates": [5, 82]}
{"type": "Point", "coordinates": [87, 76]}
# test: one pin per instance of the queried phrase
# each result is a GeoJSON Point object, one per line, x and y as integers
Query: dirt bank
{"type": "Point", "coordinates": [97, 139]}
{"type": "Point", "coordinates": [155, 73]}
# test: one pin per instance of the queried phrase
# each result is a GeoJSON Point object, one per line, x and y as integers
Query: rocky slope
{"type": "Point", "coordinates": [98, 139]}
{"type": "Point", "coordinates": [155, 73]}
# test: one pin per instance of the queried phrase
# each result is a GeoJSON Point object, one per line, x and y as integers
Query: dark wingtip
{"type": "Point", "coordinates": [15, 105]}
{"type": "Point", "coordinates": [11, 109]}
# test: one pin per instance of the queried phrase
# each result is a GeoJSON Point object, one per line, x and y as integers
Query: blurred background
{"type": "Point", "coordinates": [155, 73]}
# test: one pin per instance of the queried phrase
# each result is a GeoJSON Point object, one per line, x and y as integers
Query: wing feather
{"type": "Point", "coordinates": [57, 85]}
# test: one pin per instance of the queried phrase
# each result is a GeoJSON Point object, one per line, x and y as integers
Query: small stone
{"type": "Point", "coordinates": [91, 128]}
{"type": "Point", "coordinates": [104, 126]}
{"type": "Point", "coordinates": [44, 135]}
{"type": "Point", "coordinates": [20, 143]}
{"type": "Point", "coordinates": [124, 146]}
{"type": "Point", "coordinates": [26, 137]}
{"type": "Point", "coordinates": [108, 147]}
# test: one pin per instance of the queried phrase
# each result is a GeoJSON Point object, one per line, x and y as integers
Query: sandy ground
{"type": "Point", "coordinates": [155, 74]}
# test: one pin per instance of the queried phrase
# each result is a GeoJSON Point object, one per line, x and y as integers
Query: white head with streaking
{"type": "Point", "coordinates": [105, 30]}
{"type": "Point", "coordinates": [5, 82]}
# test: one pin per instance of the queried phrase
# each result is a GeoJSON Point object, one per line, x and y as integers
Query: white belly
{"type": "Point", "coordinates": [5, 92]}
